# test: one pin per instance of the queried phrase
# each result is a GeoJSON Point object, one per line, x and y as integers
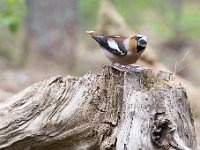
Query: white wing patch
{"type": "Point", "coordinates": [112, 44]}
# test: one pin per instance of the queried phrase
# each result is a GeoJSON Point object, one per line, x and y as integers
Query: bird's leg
{"type": "Point", "coordinates": [119, 67]}
{"type": "Point", "coordinates": [126, 68]}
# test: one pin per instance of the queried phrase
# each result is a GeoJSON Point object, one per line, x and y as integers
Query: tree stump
{"type": "Point", "coordinates": [113, 110]}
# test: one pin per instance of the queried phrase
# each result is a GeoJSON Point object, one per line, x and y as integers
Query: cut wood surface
{"type": "Point", "coordinates": [113, 110]}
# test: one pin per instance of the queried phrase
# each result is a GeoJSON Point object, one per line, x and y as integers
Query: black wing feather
{"type": "Point", "coordinates": [103, 42]}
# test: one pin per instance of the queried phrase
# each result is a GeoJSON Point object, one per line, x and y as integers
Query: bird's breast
{"type": "Point", "coordinates": [124, 60]}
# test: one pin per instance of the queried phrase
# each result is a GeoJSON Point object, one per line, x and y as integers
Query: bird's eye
{"type": "Point", "coordinates": [138, 37]}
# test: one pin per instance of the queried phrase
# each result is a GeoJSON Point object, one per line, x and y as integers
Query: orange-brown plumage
{"type": "Point", "coordinates": [133, 43]}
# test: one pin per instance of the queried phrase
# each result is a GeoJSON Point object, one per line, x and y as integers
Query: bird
{"type": "Point", "coordinates": [121, 50]}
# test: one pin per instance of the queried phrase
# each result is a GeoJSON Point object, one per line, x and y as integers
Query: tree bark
{"type": "Point", "coordinates": [113, 110]}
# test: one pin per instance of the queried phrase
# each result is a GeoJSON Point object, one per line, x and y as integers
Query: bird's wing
{"type": "Point", "coordinates": [120, 42]}
{"type": "Point", "coordinates": [111, 44]}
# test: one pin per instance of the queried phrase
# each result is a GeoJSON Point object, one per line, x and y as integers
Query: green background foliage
{"type": "Point", "coordinates": [156, 15]}
{"type": "Point", "coordinates": [12, 13]}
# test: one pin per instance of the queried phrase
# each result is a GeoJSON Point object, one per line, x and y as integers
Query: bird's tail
{"type": "Point", "coordinates": [92, 33]}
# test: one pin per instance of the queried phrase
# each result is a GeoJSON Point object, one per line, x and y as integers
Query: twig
{"type": "Point", "coordinates": [179, 61]}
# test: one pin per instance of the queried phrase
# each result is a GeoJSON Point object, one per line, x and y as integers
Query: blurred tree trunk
{"type": "Point", "coordinates": [52, 29]}
{"type": "Point", "coordinates": [176, 6]}
{"type": "Point", "coordinates": [172, 11]}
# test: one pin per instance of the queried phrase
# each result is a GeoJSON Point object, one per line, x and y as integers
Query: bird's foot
{"type": "Point", "coordinates": [122, 68]}
{"type": "Point", "coordinates": [125, 68]}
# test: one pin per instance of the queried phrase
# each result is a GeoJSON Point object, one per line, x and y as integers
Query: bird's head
{"type": "Point", "coordinates": [141, 42]}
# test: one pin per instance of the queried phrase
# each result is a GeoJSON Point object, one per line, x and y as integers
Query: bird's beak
{"type": "Point", "coordinates": [142, 41]}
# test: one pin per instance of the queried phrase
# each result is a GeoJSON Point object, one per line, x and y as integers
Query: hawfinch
{"type": "Point", "coordinates": [121, 50]}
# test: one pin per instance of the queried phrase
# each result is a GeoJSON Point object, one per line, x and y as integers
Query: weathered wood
{"type": "Point", "coordinates": [112, 110]}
